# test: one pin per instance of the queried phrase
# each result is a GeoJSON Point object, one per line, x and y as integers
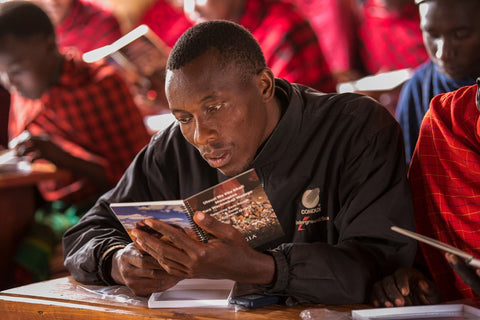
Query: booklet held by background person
{"type": "Point", "coordinates": [239, 201]}
{"type": "Point", "coordinates": [469, 259]}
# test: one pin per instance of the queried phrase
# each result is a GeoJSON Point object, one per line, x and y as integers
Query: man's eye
{"type": "Point", "coordinates": [462, 34]}
{"type": "Point", "coordinates": [214, 107]}
{"type": "Point", "coordinates": [184, 120]}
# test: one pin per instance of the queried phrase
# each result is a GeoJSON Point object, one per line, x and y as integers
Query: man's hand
{"type": "Point", "coordinates": [407, 286]}
{"type": "Point", "coordinates": [40, 147]}
{"type": "Point", "coordinates": [227, 255]}
{"type": "Point", "coordinates": [469, 275]}
{"type": "Point", "coordinates": [140, 272]}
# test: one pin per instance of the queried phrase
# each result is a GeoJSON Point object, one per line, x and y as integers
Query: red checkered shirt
{"type": "Point", "coordinates": [445, 181]}
{"type": "Point", "coordinates": [288, 42]}
{"type": "Point", "coordinates": [91, 114]}
{"type": "Point", "coordinates": [334, 22]}
{"type": "Point", "coordinates": [287, 39]}
{"type": "Point", "coordinates": [87, 27]}
{"type": "Point", "coordinates": [168, 22]}
{"type": "Point", "coordinates": [390, 40]}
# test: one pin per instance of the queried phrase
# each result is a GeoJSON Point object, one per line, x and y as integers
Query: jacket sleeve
{"type": "Point", "coordinates": [373, 194]}
{"type": "Point", "coordinates": [89, 245]}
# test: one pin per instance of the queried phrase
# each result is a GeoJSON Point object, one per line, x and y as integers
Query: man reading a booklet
{"type": "Point", "coordinates": [444, 177]}
{"type": "Point", "coordinates": [332, 166]}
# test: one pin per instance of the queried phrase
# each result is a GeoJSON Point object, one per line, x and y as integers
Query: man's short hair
{"type": "Point", "coordinates": [23, 20]}
{"type": "Point", "coordinates": [233, 42]}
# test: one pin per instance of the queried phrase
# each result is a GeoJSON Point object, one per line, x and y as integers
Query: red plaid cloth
{"type": "Point", "coordinates": [89, 113]}
{"type": "Point", "coordinates": [87, 27]}
{"type": "Point", "coordinates": [445, 181]}
{"type": "Point", "coordinates": [390, 40]}
{"type": "Point", "coordinates": [334, 22]}
{"type": "Point", "coordinates": [288, 42]}
{"type": "Point", "coordinates": [168, 22]}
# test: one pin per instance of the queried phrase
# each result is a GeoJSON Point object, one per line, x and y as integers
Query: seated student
{"type": "Point", "coordinates": [335, 23]}
{"type": "Point", "coordinates": [390, 35]}
{"type": "Point", "coordinates": [451, 33]}
{"type": "Point", "coordinates": [286, 37]}
{"type": "Point", "coordinates": [80, 117]}
{"type": "Point", "coordinates": [444, 177]}
{"type": "Point", "coordinates": [233, 114]}
{"type": "Point", "coordinates": [81, 24]}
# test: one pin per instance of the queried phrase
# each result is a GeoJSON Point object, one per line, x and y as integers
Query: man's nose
{"type": "Point", "coordinates": [204, 133]}
{"type": "Point", "coordinates": [444, 49]}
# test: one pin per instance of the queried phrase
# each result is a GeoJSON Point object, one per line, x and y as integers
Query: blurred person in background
{"type": "Point", "coordinates": [335, 23]}
{"type": "Point", "coordinates": [80, 117]}
{"type": "Point", "coordinates": [286, 37]}
{"type": "Point", "coordinates": [451, 34]}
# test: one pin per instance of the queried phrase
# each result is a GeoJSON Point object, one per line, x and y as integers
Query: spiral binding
{"type": "Point", "coordinates": [201, 234]}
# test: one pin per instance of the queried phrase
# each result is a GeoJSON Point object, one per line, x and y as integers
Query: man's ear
{"type": "Point", "coordinates": [266, 82]}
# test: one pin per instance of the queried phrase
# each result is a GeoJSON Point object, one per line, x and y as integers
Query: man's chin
{"type": "Point", "coordinates": [230, 171]}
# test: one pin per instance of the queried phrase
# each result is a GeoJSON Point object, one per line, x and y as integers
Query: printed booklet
{"type": "Point", "coordinates": [469, 259]}
{"type": "Point", "coordinates": [240, 201]}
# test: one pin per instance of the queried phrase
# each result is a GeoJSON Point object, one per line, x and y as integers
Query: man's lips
{"type": "Point", "coordinates": [218, 158]}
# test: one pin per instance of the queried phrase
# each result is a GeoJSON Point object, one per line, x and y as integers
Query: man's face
{"type": "Point", "coordinates": [206, 10]}
{"type": "Point", "coordinates": [57, 10]}
{"type": "Point", "coordinates": [451, 33]}
{"type": "Point", "coordinates": [226, 119]}
{"type": "Point", "coordinates": [25, 65]}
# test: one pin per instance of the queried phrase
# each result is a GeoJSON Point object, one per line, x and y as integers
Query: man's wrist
{"type": "Point", "coordinates": [108, 263]}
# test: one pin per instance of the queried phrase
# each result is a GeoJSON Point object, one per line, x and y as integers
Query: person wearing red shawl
{"type": "Point", "coordinates": [445, 178]}
{"type": "Point", "coordinates": [80, 117]}
{"type": "Point", "coordinates": [390, 35]}
{"type": "Point", "coordinates": [285, 35]}
{"type": "Point", "coordinates": [81, 24]}
{"type": "Point", "coordinates": [335, 23]}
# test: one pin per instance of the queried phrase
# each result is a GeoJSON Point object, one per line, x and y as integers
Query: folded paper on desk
{"type": "Point", "coordinates": [191, 293]}
{"type": "Point", "coordinates": [431, 312]}
{"type": "Point", "coordinates": [469, 259]}
{"type": "Point", "coordinates": [384, 81]}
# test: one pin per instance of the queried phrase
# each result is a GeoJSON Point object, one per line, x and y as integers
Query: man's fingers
{"type": "Point", "coordinates": [172, 233]}
{"type": "Point", "coordinates": [403, 276]}
{"type": "Point", "coordinates": [429, 292]}
{"type": "Point", "coordinates": [163, 251]}
{"type": "Point", "coordinates": [393, 293]}
{"type": "Point", "coordinates": [379, 299]}
{"type": "Point", "coordinates": [218, 229]}
{"type": "Point", "coordinates": [468, 275]}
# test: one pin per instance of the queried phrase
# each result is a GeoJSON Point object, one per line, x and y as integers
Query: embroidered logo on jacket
{"type": "Point", "coordinates": [312, 208]}
{"type": "Point", "coordinates": [311, 198]}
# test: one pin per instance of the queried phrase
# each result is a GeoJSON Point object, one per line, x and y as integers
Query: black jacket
{"type": "Point", "coordinates": [335, 174]}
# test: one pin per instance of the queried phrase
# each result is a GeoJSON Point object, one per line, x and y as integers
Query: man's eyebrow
{"type": "Point", "coordinates": [209, 97]}
{"type": "Point", "coordinates": [203, 100]}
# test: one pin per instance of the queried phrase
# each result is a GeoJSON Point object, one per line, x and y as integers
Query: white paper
{"type": "Point", "coordinates": [430, 312]}
{"type": "Point", "coordinates": [194, 293]}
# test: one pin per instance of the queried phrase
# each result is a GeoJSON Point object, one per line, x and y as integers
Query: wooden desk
{"type": "Point", "coordinates": [65, 298]}
{"type": "Point", "coordinates": [17, 201]}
